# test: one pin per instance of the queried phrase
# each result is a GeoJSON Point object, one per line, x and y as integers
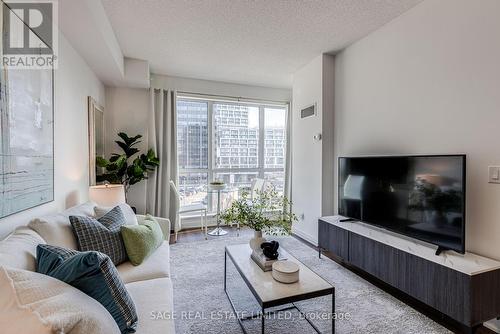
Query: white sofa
{"type": "Point", "coordinates": [149, 284]}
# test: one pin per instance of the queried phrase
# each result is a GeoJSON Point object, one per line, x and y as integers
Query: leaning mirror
{"type": "Point", "coordinates": [96, 138]}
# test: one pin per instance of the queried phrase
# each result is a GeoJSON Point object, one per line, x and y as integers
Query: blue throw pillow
{"type": "Point", "coordinates": [94, 274]}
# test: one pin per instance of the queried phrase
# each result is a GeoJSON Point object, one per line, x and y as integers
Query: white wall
{"type": "Point", "coordinates": [127, 111]}
{"type": "Point", "coordinates": [312, 161]}
{"type": "Point", "coordinates": [220, 88]}
{"type": "Point", "coordinates": [74, 81]}
{"type": "Point", "coordinates": [428, 82]}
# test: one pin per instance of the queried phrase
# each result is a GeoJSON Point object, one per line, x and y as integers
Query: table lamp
{"type": "Point", "coordinates": [107, 195]}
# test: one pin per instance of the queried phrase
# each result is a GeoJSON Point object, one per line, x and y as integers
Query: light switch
{"type": "Point", "coordinates": [494, 174]}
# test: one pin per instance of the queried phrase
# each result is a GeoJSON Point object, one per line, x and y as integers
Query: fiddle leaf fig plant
{"type": "Point", "coordinates": [124, 168]}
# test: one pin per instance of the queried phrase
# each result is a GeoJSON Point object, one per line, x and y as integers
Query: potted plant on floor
{"type": "Point", "coordinates": [123, 168]}
{"type": "Point", "coordinates": [268, 212]}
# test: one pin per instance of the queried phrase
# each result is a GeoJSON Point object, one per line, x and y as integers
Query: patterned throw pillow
{"type": "Point", "coordinates": [94, 274]}
{"type": "Point", "coordinates": [101, 235]}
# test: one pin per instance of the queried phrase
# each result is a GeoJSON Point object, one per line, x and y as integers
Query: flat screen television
{"type": "Point", "coordinates": [422, 197]}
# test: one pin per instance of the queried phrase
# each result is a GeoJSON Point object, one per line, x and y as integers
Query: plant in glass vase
{"type": "Point", "coordinates": [268, 212]}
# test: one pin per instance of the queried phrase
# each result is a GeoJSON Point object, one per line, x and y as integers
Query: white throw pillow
{"type": "Point", "coordinates": [56, 229]}
{"type": "Point", "coordinates": [18, 250]}
{"type": "Point", "coordinates": [128, 213]}
{"type": "Point", "coordinates": [34, 303]}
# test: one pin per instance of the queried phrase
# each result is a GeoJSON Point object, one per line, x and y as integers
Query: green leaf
{"type": "Point", "coordinates": [151, 154]}
{"type": "Point", "coordinates": [101, 162]}
{"type": "Point", "coordinates": [129, 151]}
{"type": "Point", "coordinates": [114, 157]}
{"type": "Point", "coordinates": [123, 136]}
{"type": "Point", "coordinates": [129, 141]}
{"type": "Point", "coordinates": [267, 212]}
{"type": "Point", "coordinates": [120, 170]}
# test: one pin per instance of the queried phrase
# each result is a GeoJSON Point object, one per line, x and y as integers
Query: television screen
{"type": "Point", "coordinates": [422, 197]}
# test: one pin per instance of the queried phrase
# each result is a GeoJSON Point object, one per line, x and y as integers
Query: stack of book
{"type": "Point", "coordinates": [265, 263]}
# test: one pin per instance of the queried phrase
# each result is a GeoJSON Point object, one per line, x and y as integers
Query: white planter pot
{"type": "Point", "coordinates": [256, 241]}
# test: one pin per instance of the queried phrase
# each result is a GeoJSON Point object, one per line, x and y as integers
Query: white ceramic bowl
{"type": "Point", "coordinates": [285, 271]}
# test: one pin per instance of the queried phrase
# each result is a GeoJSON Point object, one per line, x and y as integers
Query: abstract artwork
{"type": "Point", "coordinates": [26, 139]}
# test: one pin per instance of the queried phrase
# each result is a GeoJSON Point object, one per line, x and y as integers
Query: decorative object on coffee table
{"type": "Point", "coordinates": [267, 212]}
{"type": "Point", "coordinates": [267, 255]}
{"type": "Point", "coordinates": [270, 249]}
{"type": "Point", "coordinates": [270, 293]}
{"type": "Point", "coordinates": [257, 240]}
{"type": "Point", "coordinates": [285, 271]}
{"type": "Point", "coordinates": [263, 262]}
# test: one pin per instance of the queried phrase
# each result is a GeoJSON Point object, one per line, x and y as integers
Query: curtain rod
{"type": "Point", "coordinates": [231, 98]}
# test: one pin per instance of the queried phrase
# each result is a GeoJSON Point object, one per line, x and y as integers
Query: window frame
{"type": "Point", "coordinates": [260, 170]}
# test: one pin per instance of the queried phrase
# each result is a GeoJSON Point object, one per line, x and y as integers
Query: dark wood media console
{"type": "Point", "coordinates": [465, 287]}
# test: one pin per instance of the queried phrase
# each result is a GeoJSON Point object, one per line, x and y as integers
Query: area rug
{"type": "Point", "coordinates": [201, 306]}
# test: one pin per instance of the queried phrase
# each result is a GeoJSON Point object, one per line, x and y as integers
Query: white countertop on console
{"type": "Point", "coordinates": [468, 263]}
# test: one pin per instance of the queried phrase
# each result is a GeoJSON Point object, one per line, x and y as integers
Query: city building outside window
{"type": "Point", "coordinates": [231, 142]}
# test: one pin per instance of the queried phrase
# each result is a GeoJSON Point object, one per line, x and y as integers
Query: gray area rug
{"type": "Point", "coordinates": [201, 305]}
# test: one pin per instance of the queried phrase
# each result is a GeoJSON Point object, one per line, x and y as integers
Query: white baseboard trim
{"type": "Point", "coordinates": [305, 236]}
{"type": "Point", "coordinates": [194, 222]}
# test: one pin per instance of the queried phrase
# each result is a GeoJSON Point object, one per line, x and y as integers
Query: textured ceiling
{"type": "Point", "coordinates": [260, 42]}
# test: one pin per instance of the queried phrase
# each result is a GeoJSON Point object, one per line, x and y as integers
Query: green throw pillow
{"type": "Point", "coordinates": [141, 240]}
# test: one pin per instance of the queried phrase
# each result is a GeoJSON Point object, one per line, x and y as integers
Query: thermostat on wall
{"type": "Point", "coordinates": [309, 111]}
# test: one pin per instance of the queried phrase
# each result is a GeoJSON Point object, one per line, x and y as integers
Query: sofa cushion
{"type": "Point", "coordinates": [85, 209]}
{"type": "Point", "coordinates": [154, 301]}
{"type": "Point", "coordinates": [94, 274]}
{"type": "Point", "coordinates": [128, 213]}
{"type": "Point", "coordinates": [59, 307]}
{"type": "Point", "coordinates": [56, 229]}
{"type": "Point", "coordinates": [142, 240]}
{"type": "Point", "coordinates": [18, 250]}
{"type": "Point", "coordinates": [155, 266]}
{"type": "Point", "coordinates": [101, 235]}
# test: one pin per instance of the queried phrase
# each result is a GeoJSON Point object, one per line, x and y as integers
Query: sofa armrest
{"type": "Point", "coordinates": [164, 224]}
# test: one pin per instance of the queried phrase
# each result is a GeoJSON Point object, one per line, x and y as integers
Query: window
{"type": "Point", "coordinates": [232, 142]}
{"type": "Point", "coordinates": [192, 146]}
{"type": "Point", "coordinates": [192, 134]}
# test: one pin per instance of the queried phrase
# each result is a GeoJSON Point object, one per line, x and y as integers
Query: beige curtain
{"type": "Point", "coordinates": [162, 136]}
